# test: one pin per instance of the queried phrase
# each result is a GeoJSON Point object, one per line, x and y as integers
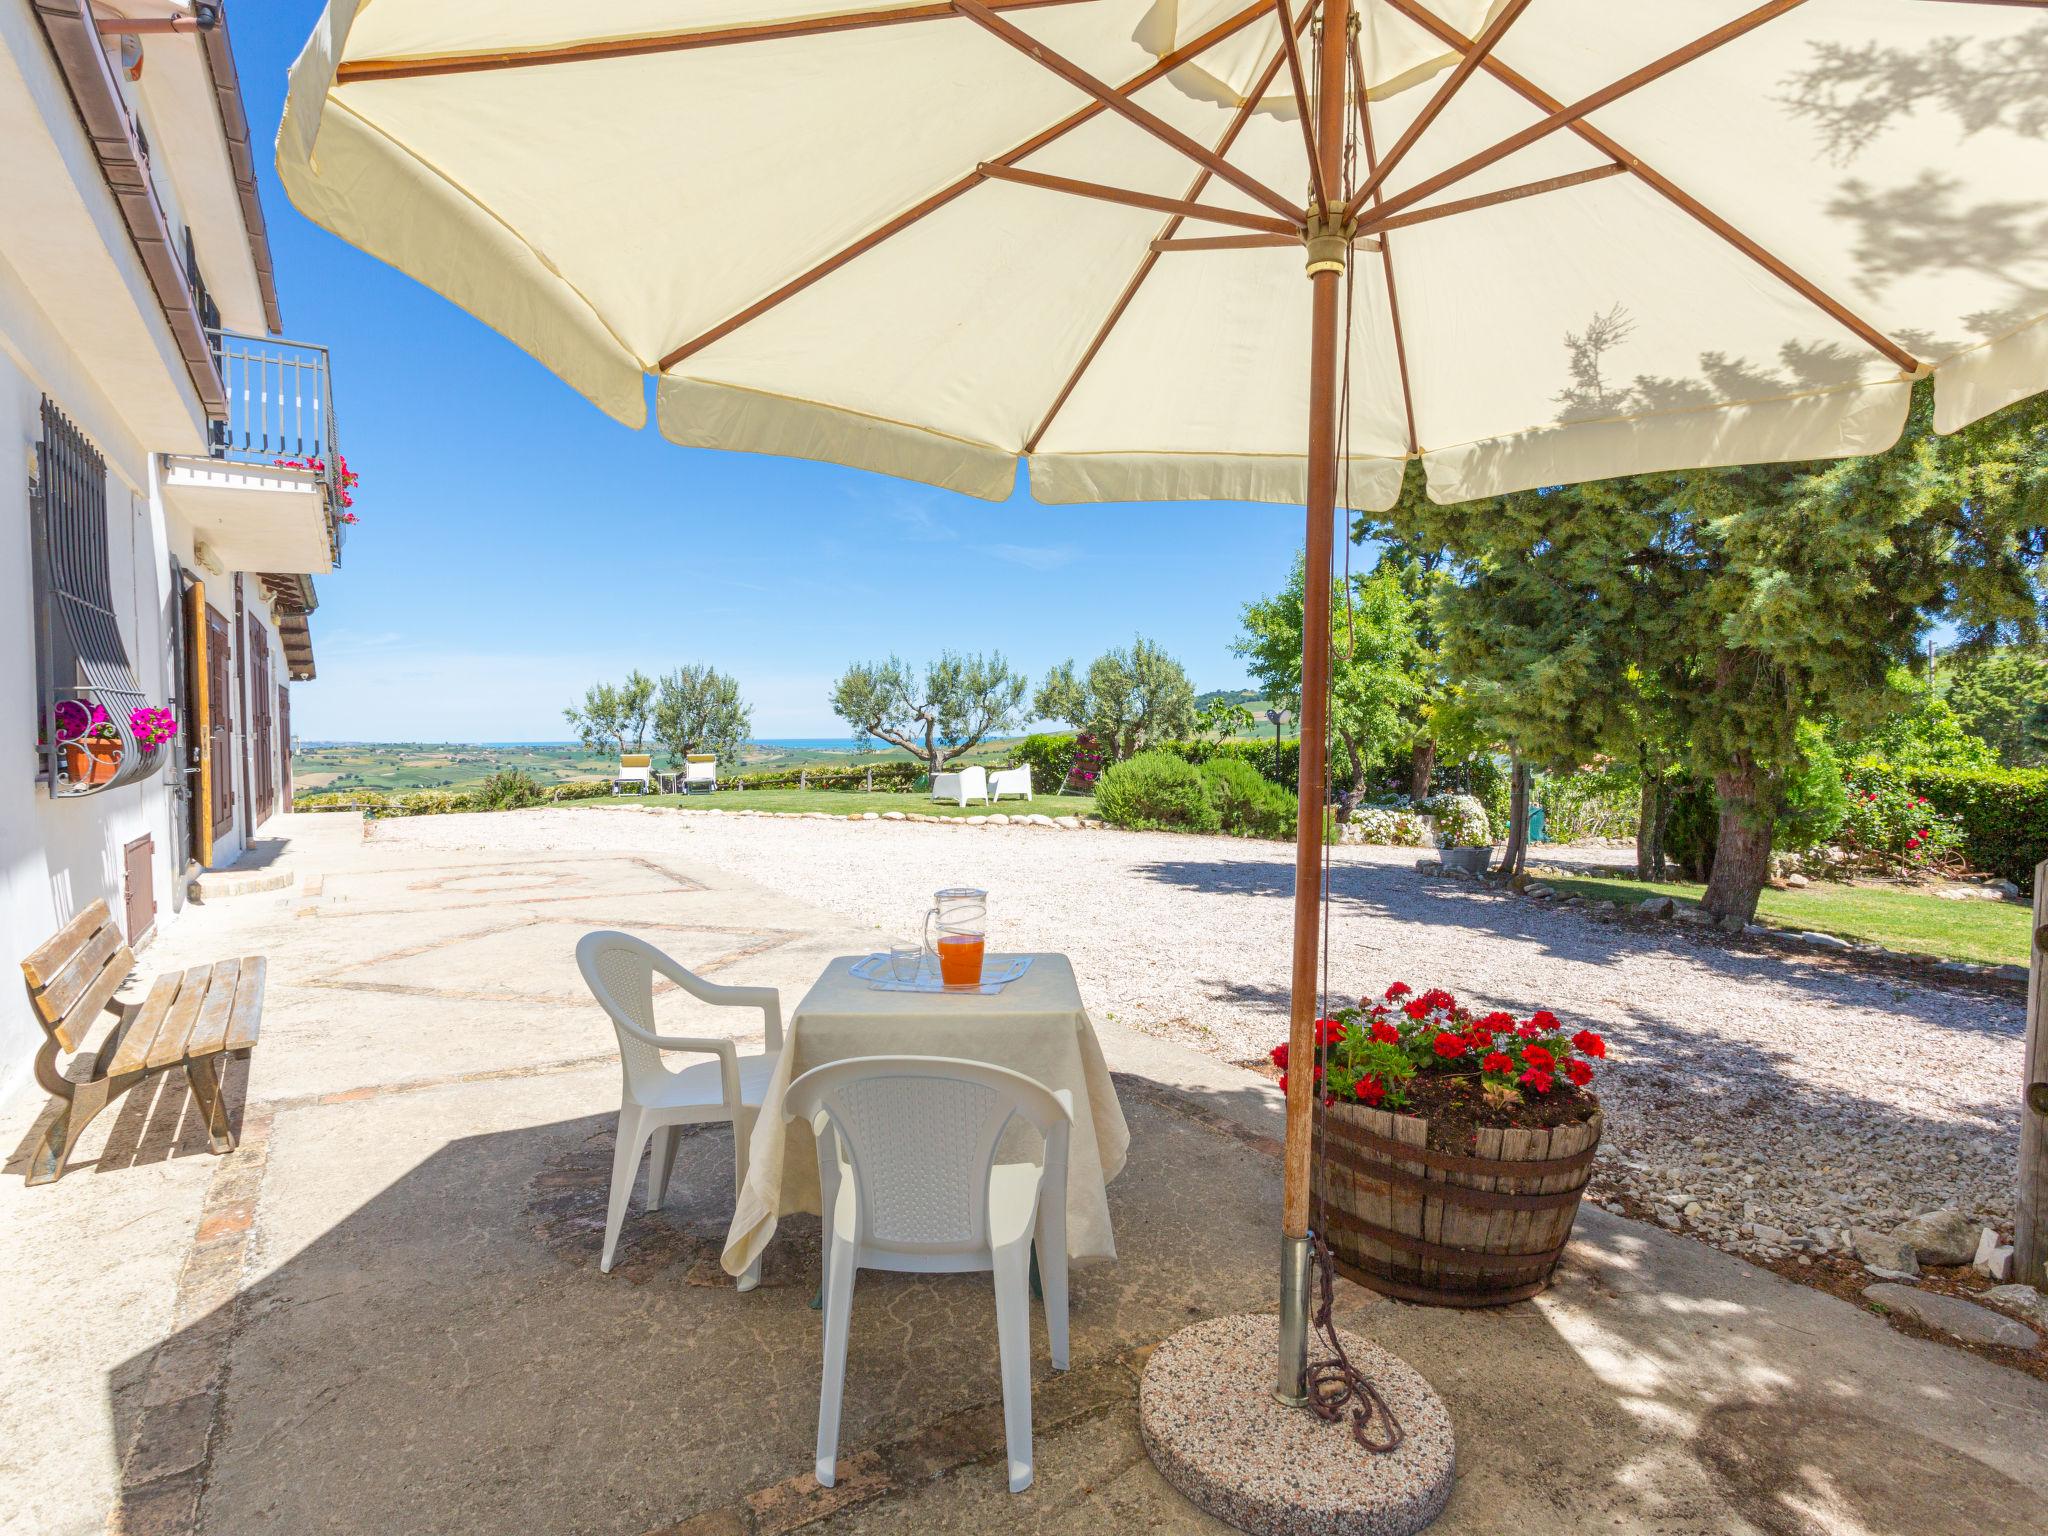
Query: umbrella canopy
{"type": "Point", "coordinates": [926, 239]}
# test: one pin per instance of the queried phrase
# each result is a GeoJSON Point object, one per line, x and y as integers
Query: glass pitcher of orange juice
{"type": "Point", "coordinates": [956, 930]}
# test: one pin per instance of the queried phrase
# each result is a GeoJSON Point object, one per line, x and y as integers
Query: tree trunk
{"type": "Point", "coordinates": [1652, 812]}
{"type": "Point", "coordinates": [1518, 820]}
{"type": "Point", "coordinates": [1354, 788]}
{"type": "Point", "coordinates": [1742, 854]}
{"type": "Point", "coordinates": [1421, 768]}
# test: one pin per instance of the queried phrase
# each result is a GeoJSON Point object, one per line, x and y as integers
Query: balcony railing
{"type": "Point", "coordinates": [281, 412]}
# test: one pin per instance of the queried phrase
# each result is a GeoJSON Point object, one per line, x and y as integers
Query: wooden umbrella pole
{"type": "Point", "coordinates": [1326, 292]}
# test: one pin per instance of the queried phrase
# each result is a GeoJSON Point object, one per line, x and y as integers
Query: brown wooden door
{"type": "Point", "coordinates": [138, 888]}
{"type": "Point", "coordinates": [284, 741]}
{"type": "Point", "coordinates": [260, 697]}
{"type": "Point", "coordinates": [219, 721]}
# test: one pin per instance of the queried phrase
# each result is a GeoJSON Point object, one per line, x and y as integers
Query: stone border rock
{"type": "Point", "coordinates": [1090, 823]}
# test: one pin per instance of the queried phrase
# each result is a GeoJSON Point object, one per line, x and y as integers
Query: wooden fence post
{"type": "Point", "coordinates": [2030, 1245]}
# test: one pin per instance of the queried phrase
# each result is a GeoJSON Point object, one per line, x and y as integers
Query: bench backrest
{"type": "Point", "coordinates": [75, 972]}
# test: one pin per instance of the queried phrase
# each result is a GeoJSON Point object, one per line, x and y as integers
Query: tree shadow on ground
{"type": "Point", "coordinates": [1455, 907]}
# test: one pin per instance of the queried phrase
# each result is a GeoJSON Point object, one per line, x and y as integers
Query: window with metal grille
{"type": "Point", "coordinates": [86, 690]}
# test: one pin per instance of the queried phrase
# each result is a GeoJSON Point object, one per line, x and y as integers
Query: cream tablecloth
{"type": "Point", "coordinates": [1036, 1025]}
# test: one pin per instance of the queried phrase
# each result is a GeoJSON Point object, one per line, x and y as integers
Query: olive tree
{"type": "Point", "coordinates": [699, 709]}
{"type": "Point", "coordinates": [613, 714]}
{"type": "Point", "coordinates": [1129, 699]}
{"type": "Point", "coordinates": [938, 714]}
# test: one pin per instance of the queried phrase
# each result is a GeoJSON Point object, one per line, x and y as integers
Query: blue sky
{"type": "Point", "coordinates": [516, 544]}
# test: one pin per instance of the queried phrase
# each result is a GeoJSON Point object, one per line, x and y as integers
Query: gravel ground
{"type": "Point", "coordinates": [1785, 1100]}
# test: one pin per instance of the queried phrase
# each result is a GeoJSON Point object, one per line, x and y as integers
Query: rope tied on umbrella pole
{"type": "Point", "coordinates": [1335, 1384]}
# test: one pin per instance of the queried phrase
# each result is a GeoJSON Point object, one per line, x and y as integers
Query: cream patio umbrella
{"type": "Point", "coordinates": [1544, 242]}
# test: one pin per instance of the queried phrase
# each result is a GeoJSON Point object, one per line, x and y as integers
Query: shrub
{"type": "Point", "coordinates": [1887, 826]}
{"type": "Point", "coordinates": [1596, 802]}
{"type": "Point", "coordinates": [1246, 804]}
{"type": "Point", "coordinates": [581, 789]}
{"type": "Point", "coordinates": [1282, 765]}
{"type": "Point", "coordinates": [1157, 790]}
{"type": "Point", "coordinates": [1388, 825]}
{"type": "Point", "coordinates": [2002, 812]}
{"type": "Point", "coordinates": [1816, 800]}
{"type": "Point", "coordinates": [509, 789]}
{"type": "Point", "coordinates": [1461, 821]}
{"type": "Point", "coordinates": [891, 773]}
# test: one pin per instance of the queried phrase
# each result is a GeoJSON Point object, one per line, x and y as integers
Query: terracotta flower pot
{"type": "Point", "coordinates": [91, 761]}
{"type": "Point", "coordinates": [1477, 1230]}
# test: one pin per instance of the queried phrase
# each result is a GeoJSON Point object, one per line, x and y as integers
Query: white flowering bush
{"type": "Point", "coordinates": [1460, 821]}
{"type": "Point", "coordinates": [1386, 825]}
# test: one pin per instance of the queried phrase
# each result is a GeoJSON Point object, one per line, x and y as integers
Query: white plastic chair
{"type": "Point", "coordinates": [700, 772]}
{"type": "Point", "coordinates": [1010, 781]}
{"type": "Point", "coordinates": [908, 1180]}
{"type": "Point", "coordinates": [619, 969]}
{"type": "Point", "coordinates": [960, 786]}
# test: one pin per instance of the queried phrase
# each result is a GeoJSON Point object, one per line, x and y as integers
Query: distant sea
{"type": "Point", "coordinates": [798, 743]}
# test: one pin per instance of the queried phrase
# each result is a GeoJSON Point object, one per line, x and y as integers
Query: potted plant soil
{"type": "Point", "coordinates": [1451, 1149]}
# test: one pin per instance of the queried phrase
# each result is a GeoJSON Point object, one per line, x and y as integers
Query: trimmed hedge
{"type": "Point", "coordinates": [893, 773]}
{"type": "Point", "coordinates": [2003, 812]}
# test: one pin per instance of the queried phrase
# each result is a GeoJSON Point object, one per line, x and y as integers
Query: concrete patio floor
{"type": "Point", "coordinates": [383, 1313]}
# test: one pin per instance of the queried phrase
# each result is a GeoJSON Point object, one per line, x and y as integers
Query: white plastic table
{"type": "Point", "coordinates": [1035, 1025]}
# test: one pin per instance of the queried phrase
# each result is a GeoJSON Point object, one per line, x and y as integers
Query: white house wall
{"type": "Point", "coordinates": [79, 323]}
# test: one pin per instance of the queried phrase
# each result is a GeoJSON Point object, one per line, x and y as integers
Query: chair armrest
{"type": "Point", "coordinates": [1066, 1098]}
{"type": "Point", "coordinates": [767, 999]}
{"type": "Point", "coordinates": [704, 1045]}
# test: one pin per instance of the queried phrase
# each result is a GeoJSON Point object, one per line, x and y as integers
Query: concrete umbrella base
{"type": "Point", "coordinates": [1215, 1432]}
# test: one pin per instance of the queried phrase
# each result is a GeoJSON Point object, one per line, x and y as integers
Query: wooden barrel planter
{"type": "Point", "coordinates": [1474, 1230]}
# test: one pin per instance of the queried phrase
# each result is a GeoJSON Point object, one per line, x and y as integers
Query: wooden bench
{"type": "Point", "coordinates": [193, 1019]}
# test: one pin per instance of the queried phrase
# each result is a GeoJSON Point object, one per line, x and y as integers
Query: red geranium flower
{"type": "Point", "coordinates": [1528, 1031]}
{"type": "Point", "coordinates": [1544, 1020]}
{"type": "Point", "coordinates": [1448, 1045]}
{"type": "Point", "coordinates": [1497, 1061]}
{"type": "Point", "coordinates": [1385, 1033]}
{"type": "Point", "coordinates": [1586, 1043]}
{"type": "Point", "coordinates": [1415, 1010]}
{"type": "Point", "coordinates": [1283, 1083]}
{"type": "Point", "coordinates": [1578, 1071]}
{"type": "Point", "coordinates": [1398, 989]}
{"type": "Point", "coordinates": [1499, 1019]}
{"type": "Point", "coordinates": [1280, 1057]}
{"type": "Point", "coordinates": [1437, 997]}
{"type": "Point", "coordinates": [1328, 1032]}
{"type": "Point", "coordinates": [1480, 1037]}
{"type": "Point", "coordinates": [1540, 1081]}
{"type": "Point", "coordinates": [1538, 1056]}
{"type": "Point", "coordinates": [1370, 1090]}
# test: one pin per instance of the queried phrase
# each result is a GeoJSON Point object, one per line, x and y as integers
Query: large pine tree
{"type": "Point", "coordinates": [1700, 616]}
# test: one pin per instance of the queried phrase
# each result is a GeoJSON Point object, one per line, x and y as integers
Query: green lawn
{"type": "Point", "coordinates": [1995, 932]}
{"type": "Point", "coordinates": [851, 802]}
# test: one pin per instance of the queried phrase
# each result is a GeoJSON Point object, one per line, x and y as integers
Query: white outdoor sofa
{"type": "Point", "coordinates": [967, 784]}
{"type": "Point", "coordinates": [1010, 781]}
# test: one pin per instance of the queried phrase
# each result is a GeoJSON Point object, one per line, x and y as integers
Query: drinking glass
{"type": "Point", "coordinates": [906, 959]}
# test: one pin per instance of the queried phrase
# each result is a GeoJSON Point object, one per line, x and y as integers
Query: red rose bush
{"type": "Point", "coordinates": [1370, 1054]}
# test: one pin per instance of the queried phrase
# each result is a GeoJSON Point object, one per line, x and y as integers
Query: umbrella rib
{"type": "Point", "coordinates": [1178, 207]}
{"type": "Point", "coordinates": [359, 70]}
{"type": "Point", "coordinates": [1120, 103]}
{"type": "Point", "coordinates": [1467, 64]}
{"type": "Point", "coordinates": [1226, 243]}
{"type": "Point", "coordinates": [1151, 259]}
{"type": "Point", "coordinates": [1386, 248]}
{"type": "Point", "coordinates": [1564, 117]}
{"type": "Point", "coordinates": [1376, 224]}
{"type": "Point", "coordinates": [939, 199]}
{"type": "Point", "coordinates": [1308, 133]}
{"type": "Point", "coordinates": [1672, 192]}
